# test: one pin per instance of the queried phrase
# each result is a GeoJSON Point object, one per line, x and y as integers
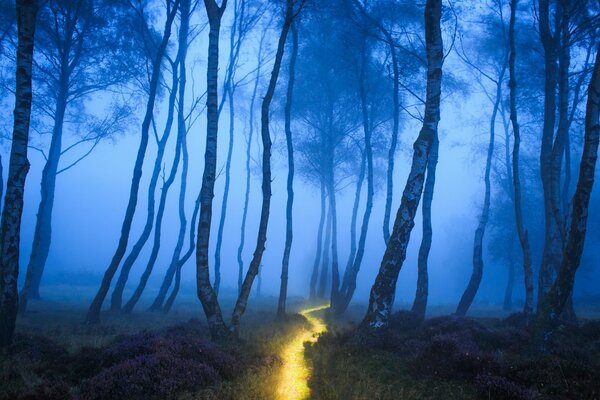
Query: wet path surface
{"type": "Point", "coordinates": [295, 371]}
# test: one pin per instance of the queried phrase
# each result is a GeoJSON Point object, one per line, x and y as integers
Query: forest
{"type": "Point", "coordinates": [299, 199]}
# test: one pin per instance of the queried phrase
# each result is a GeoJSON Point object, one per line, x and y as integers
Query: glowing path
{"type": "Point", "coordinates": [293, 382]}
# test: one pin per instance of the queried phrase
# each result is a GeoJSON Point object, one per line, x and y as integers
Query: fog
{"type": "Point", "coordinates": [91, 197]}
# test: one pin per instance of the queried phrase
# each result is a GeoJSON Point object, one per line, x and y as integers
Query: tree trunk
{"type": "Point", "coordinates": [394, 141]}
{"type": "Point", "coordinates": [382, 293]}
{"type": "Point", "coordinates": [206, 294]}
{"type": "Point", "coordinates": [507, 305]}
{"type": "Point", "coordinates": [315, 271]}
{"type": "Point", "coordinates": [93, 314]}
{"type": "Point", "coordinates": [552, 246]}
{"type": "Point", "coordinates": [242, 301]}
{"type": "Point", "coordinates": [182, 143]}
{"type": "Point", "coordinates": [181, 132]}
{"type": "Point", "coordinates": [10, 226]}
{"type": "Point", "coordinates": [419, 306]}
{"type": "Point", "coordinates": [290, 178]}
{"type": "Point", "coordinates": [248, 158]}
{"type": "Point", "coordinates": [181, 262]}
{"type": "Point", "coordinates": [325, 265]}
{"type": "Point", "coordinates": [117, 295]}
{"type": "Point", "coordinates": [43, 227]}
{"type": "Point", "coordinates": [357, 195]}
{"type": "Point", "coordinates": [473, 286]}
{"type": "Point", "coordinates": [521, 231]}
{"type": "Point", "coordinates": [554, 302]}
{"type": "Point", "coordinates": [349, 284]}
{"type": "Point", "coordinates": [228, 90]}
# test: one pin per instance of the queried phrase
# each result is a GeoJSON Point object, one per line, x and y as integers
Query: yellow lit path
{"type": "Point", "coordinates": [295, 372]}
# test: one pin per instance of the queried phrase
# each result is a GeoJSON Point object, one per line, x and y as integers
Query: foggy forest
{"type": "Point", "coordinates": [299, 199]}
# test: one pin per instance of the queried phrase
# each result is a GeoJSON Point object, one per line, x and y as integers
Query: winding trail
{"type": "Point", "coordinates": [295, 372]}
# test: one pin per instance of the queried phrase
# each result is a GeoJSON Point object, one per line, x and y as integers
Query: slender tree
{"type": "Point", "coordinates": [93, 315]}
{"type": "Point", "coordinates": [117, 295]}
{"type": "Point", "coordinates": [290, 178]}
{"type": "Point", "coordinates": [82, 51]}
{"type": "Point", "coordinates": [314, 277]}
{"type": "Point", "coordinates": [556, 299]}
{"type": "Point", "coordinates": [242, 300]}
{"type": "Point", "coordinates": [182, 132]}
{"type": "Point", "coordinates": [349, 283]}
{"type": "Point", "coordinates": [419, 306]}
{"type": "Point", "coordinates": [521, 231]}
{"type": "Point", "coordinates": [240, 250]}
{"type": "Point", "coordinates": [473, 285]}
{"type": "Point", "coordinates": [10, 226]}
{"type": "Point", "coordinates": [206, 293]}
{"type": "Point", "coordinates": [382, 293]}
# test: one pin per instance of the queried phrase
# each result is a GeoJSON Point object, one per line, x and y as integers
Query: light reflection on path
{"type": "Point", "coordinates": [295, 372]}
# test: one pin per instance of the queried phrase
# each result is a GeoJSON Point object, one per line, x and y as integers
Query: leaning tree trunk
{"type": "Point", "coordinates": [382, 293]}
{"type": "Point", "coordinates": [555, 300]}
{"type": "Point", "coordinates": [93, 314]}
{"type": "Point", "coordinates": [242, 300]}
{"type": "Point", "coordinates": [290, 178]}
{"type": "Point", "coordinates": [521, 231]}
{"type": "Point", "coordinates": [182, 143]}
{"type": "Point", "coordinates": [206, 293]}
{"type": "Point", "coordinates": [10, 226]}
{"type": "Point", "coordinates": [419, 306]}
{"type": "Point", "coordinates": [117, 295]}
{"type": "Point", "coordinates": [349, 283]}
{"type": "Point", "coordinates": [315, 271]}
{"type": "Point", "coordinates": [181, 262]}
{"type": "Point", "coordinates": [473, 286]}
{"type": "Point", "coordinates": [240, 251]}
{"type": "Point", "coordinates": [42, 236]}
{"type": "Point", "coordinates": [357, 196]}
{"type": "Point", "coordinates": [181, 132]}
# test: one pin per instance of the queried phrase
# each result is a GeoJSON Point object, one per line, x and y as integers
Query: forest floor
{"type": "Point", "coordinates": [306, 355]}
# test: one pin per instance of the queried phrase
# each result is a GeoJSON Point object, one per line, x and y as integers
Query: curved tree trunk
{"type": "Point", "coordinates": [248, 158]}
{"type": "Point", "coordinates": [181, 262]}
{"type": "Point", "coordinates": [42, 236]}
{"type": "Point", "coordinates": [382, 294]}
{"type": "Point", "coordinates": [315, 271]}
{"type": "Point", "coordinates": [290, 178]}
{"type": "Point", "coordinates": [422, 293]}
{"type": "Point", "coordinates": [242, 301]}
{"type": "Point", "coordinates": [117, 295]}
{"type": "Point", "coordinates": [473, 286]}
{"type": "Point", "coordinates": [181, 132]}
{"type": "Point", "coordinates": [554, 302]}
{"type": "Point", "coordinates": [206, 293]}
{"type": "Point", "coordinates": [357, 195]}
{"type": "Point", "coordinates": [93, 314]}
{"type": "Point", "coordinates": [349, 284]}
{"type": "Point", "coordinates": [181, 142]}
{"type": "Point", "coordinates": [522, 232]}
{"type": "Point", "coordinates": [10, 226]}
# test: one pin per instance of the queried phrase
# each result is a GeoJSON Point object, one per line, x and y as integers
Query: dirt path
{"type": "Point", "coordinates": [295, 372]}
